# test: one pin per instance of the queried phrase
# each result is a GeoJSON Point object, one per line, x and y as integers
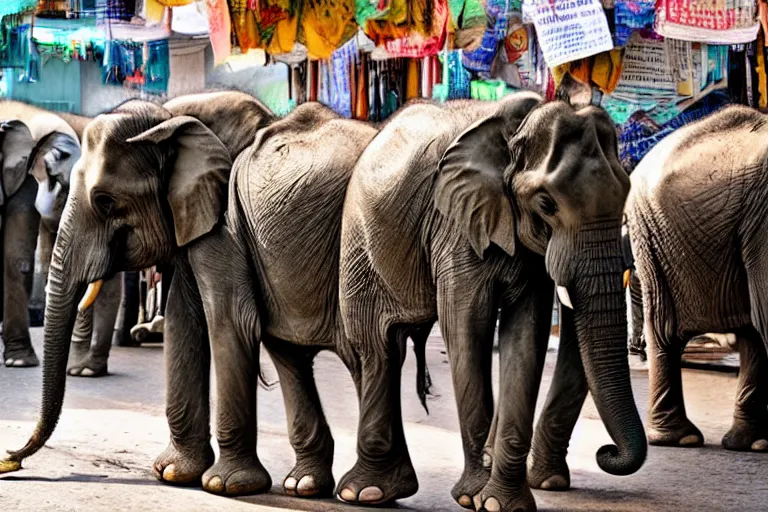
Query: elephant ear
{"type": "Point", "coordinates": [17, 147]}
{"type": "Point", "coordinates": [199, 176]}
{"type": "Point", "coordinates": [470, 189]}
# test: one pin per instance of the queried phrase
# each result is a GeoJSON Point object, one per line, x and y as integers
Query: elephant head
{"type": "Point", "coordinates": [147, 184]}
{"type": "Point", "coordinates": [44, 145]}
{"type": "Point", "coordinates": [546, 177]}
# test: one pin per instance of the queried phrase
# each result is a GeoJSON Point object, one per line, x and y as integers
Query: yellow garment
{"type": "Point", "coordinates": [558, 72]}
{"type": "Point", "coordinates": [606, 70]}
{"type": "Point", "coordinates": [155, 8]}
{"type": "Point", "coordinates": [414, 77]}
{"type": "Point", "coordinates": [762, 86]}
{"type": "Point", "coordinates": [326, 25]}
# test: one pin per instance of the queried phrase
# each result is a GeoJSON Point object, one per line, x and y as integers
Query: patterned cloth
{"type": "Point", "coordinates": [480, 59]}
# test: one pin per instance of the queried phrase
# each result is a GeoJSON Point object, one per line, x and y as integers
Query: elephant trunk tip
{"type": "Point", "coordinates": [621, 463]}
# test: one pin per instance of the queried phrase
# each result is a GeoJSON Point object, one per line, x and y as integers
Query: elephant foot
{"type": "Point", "coordinates": [745, 437]}
{"type": "Point", "coordinates": [183, 467]}
{"type": "Point", "coordinates": [549, 475]}
{"type": "Point", "coordinates": [310, 478]}
{"type": "Point", "coordinates": [22, 356]}
{"type": "Point", "coordinates": [499, 497]}
{"type": "Point", "coordinates": [376, 484]}
{"type": "Point", "coordinates": [686, 436]}
{"type": "Point", "coordinates": [237, 476]}
{"type": "Point", "coordinates": [89, 366]}
{"type": "Point", "coordinates": [472, 481]}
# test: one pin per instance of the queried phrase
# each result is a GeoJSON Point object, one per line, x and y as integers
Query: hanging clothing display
{"type": "Point", "coordinates": [707, 22]}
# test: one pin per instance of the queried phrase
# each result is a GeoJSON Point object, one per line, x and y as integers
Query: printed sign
{"type": "Point", "coordinates": [569, 30]}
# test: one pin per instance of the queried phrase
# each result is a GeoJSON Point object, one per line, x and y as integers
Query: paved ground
{"type": "Point", "coordinates": [111, 430]}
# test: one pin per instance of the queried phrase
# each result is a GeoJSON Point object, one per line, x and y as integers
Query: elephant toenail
{"type": "Point", "coordinates": [9, 362]}
{"type": "Point", "coordinates": [487, 460]}
{"type": "Point", "coordinates": [760, 445]}
{"type": "Point", "coordinates": [370, 494]}
{"type": "Point", "coordinates": [290, 484]}
{"type": "Point", "coordinates": [18, 363]}
{"type": "Point", "coordinates": [689, 440]}
{"type": "Point", "coordinates": [554, 482]}
{"type": "Point", "coordinates": [465, 501]}
{"type": "Point", "coordinates": [87, 372]}
{"type": "Point", "coordinates": [478, 502]}
{"type": "Point", "coordinates": [307, 485]}
{"type": "Point", "coordinates": [169, 473]}
{"type": "Point", "coordinates": [492, 505]}
{"type": "Point", "coordinates": [215, 484]}
{"type": "Point", "coordinates": [348, 495]}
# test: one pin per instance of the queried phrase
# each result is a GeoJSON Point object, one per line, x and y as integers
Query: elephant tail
{"type": "Point", "coordinates": [423, 379]}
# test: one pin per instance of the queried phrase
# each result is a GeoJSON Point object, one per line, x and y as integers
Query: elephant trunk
{"type": "Point", "coordinates": [60, 313]}
{"type": "Point", "coordinates": [596, 293]}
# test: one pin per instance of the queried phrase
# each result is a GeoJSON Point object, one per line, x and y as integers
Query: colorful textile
{"type": "Point", "coordinates": [425, 35]}
{"type": "Point", "coordinates": [15, 34]}
{"type": "Point", "coordinates": [470, 13]}
{"type": "Point", "coordinates": [325, 25]}
{"type": "Point", "coordinates": [124, 64]}
{"type": "Point", "coordinates": [631, 15]}
{"type": "Point", "coordinates": [638, 136]}
{"type": "Point", "coordinates": [113, 10]}
{"type": "Point", "coordinates": [705, 21]}
{"type": "Point", "coordinates": [336, 80]}
{"type": "Point", "coordinates": [480, 59]}
{"type": "Point", "coordinates": [489, 90]}
{"type": "Point", "coordinates": [456, 80]}
{"type": "Point", "coordinates": [219, 29]}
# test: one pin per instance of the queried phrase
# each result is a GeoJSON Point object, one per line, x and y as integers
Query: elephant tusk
{"type": "Point", "coordinates": [627, 277]}
{"type": "Point", "coordinates": [9, 466]}
{"type": "Point", "coordinates": [90, 295]}
{"type": "Point", "coordinates": [565, 299]}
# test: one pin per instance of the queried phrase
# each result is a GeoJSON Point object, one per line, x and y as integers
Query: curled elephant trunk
{"type": "Point", "coordinates": [596, 294]}
{"type": "Point", "coordinates": [60, 314]}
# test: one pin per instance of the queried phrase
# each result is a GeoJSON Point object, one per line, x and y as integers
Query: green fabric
{"type": "Point", "coordinates": [489, 90]}
{"type": "Point", "coordinates": [473, 12]}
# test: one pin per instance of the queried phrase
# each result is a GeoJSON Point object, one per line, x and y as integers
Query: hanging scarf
{"type": "Point", "coordinates": [219, 29]}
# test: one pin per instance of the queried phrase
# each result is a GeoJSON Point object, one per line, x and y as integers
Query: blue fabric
{"type": "Point", "coordinates": [15, 44]}
{"type": "Point", "coordinates": [640, 134]}
{"type": "Point", "coordinates": [480, 59]}
{"type": "Point", "coordinates": [631, 15]}
{"type": "Point", "coordinates": [122, 59]}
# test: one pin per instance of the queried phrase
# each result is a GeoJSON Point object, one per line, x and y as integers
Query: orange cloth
{"type": "Point", "coordinates": [413, 78]}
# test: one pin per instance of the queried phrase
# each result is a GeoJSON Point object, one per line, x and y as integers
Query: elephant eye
{"type": "Point", "coordinates": [103, 203]}
{"type": "Point", "coordinates": [547, 205]}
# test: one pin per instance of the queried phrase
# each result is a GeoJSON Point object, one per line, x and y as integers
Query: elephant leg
{"type": "Point", "coordinates": [187, 383]}
{"type": "Point", "coordinates": [226, 288]}
{"type": "Point", "coordinates": [637, 339]}
{"type": "Point", "coordinates": [383, 471]}
{"type": "Point", "coordinates": [668, 423]}
{"type": "Point", "coordinates": [308, 430]}
{"type": "Point", "coordinates": [468, 334]}
{"type": "Point", "coordinates": [750, 417]}
{"type": "Point", "coordinates": [95, 340]}
{"type": "Point", "coordinates": [20, 231]}
{"type": "Point", "coordinates": [128, 310]}
{"type": "Point", "coordinates": [548, 468]}
{"type": "Point", "coordinates": [523, 338]}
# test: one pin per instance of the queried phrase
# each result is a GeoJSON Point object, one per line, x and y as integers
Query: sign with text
{"type": "Point", "coordinates": [569, 30]}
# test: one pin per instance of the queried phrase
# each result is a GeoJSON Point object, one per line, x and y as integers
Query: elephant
{"type": "Point", "coordinates": [455, 212]}
{"type": "Point", "coordinates": [145, 208]}
{"type": "Point", "coordinates": [36, 144]}
{"type": "Point", "coordinates": [40, 149]}
{"type": "Point", "coordinates": [697, 224]}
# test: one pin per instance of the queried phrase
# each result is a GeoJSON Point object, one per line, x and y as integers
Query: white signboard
{"type": "Point", "coordinates": [569, 30]}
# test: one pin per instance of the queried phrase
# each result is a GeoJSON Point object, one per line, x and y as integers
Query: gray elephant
{"type": "Point", "coordinates": [39, 151]}
{"type": "Point", "coordinates": [35, 145]}
{"type": "Point", "coordinates": [698, 222]}
{"type": "Point", "coordinates": [144, 209]}
{"type": "Point", "coordinates": [455, 212]}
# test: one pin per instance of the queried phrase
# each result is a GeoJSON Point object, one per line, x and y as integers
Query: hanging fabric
{"type": "Point", "coordinates": [362, 98]}
{"type": "Point", "coordinates": [219, 29]}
